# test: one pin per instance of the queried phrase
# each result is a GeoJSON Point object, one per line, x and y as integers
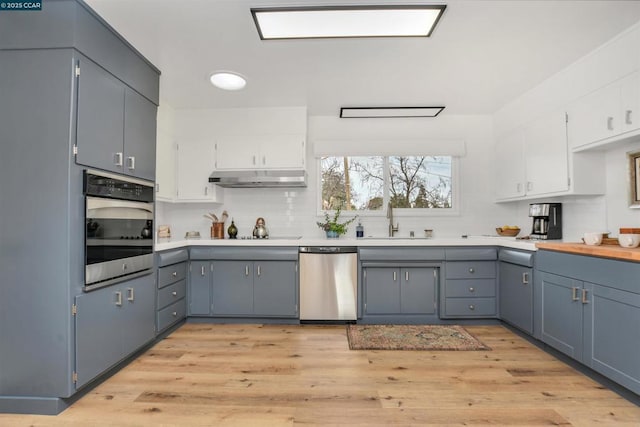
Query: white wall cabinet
{"type": "Point", "coordinates": [165, 167]}
{"type": "Point", "coordinates": [194, 165]}
{"type": "Point", "coordinates": [267, 151]}
{"type": "Point", "coordinates": [606, 115]}
{"type": "Point", "coordinates": [533, 161]}
{"type": "Point", "coordinates": [510, 169]}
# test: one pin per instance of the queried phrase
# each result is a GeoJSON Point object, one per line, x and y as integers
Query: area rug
{"type": "Point", "coordinates": [412, 337]}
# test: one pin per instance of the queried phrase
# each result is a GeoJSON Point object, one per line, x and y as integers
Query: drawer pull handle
{"type": "Point", "coordinates": [574, 294]}
{"type": "Point", "coordinates": [472, 289]}
{"type": "Point", "coordinates": [525, 278]}
{"type": "Point", "coordinates": [130, 296]}
{"type": "Point", "coordinates": [175, 314]}
{"type": "Point", "coordinates": [627, 117]}
{"type": "Point", "coordinates": [174, 274]}
{"type": "Point", "coordinates": [472, 307]}
{"type": "Point", "coordinates": [584, 297]}
{"type": "Point", "coordinates": [202, 270]}
{"type": "Point", "coordinates": [609, 123]}
{"type": "Point", "coordinates": [119, 298]}
{"type": "Point", "coordinates": [406, 276]}
{"type": "Point", "coordinates": [246, 270]}
{"type": "Point", "coordinates": [174, 293]}
{"type": "Point", "coordinates": [471, 270]}
{"type": "Point", "coordinates": [395, 276]}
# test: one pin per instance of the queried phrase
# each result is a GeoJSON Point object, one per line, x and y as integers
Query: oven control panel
{"type": "Point", "coordinates": [115, 187]}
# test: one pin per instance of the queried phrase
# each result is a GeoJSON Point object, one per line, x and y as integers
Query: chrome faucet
{"type": "Point", "coordinates": [392, 229]}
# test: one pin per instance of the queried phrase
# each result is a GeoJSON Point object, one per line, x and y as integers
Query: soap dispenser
{"type": "Point", "coordinates": [359, 230]}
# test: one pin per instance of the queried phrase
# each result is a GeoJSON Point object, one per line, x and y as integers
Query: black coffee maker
{"type": "Point", "coordinates": [547, 220]}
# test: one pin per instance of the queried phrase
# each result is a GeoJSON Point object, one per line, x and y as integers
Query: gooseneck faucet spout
{"type": "Point", "coordinates": [392, 229]}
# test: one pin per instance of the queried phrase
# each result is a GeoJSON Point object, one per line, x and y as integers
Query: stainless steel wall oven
{"type": "Point", "coordinates": [118, 228]}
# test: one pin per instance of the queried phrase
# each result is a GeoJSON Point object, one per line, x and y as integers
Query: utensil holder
{"type": "Point", "coordinates": [217, 230]}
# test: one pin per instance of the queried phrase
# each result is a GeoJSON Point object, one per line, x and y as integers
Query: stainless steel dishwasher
{"type": "Point", "coordinates": [328, 283]}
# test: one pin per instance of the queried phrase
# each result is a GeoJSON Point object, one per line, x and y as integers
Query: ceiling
{"type": "Point", "coordinates": [482, 54]}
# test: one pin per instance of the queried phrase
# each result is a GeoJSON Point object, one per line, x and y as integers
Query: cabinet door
{"type": "Point", "coordinates": [139, 313]}
{"type": "Point", "coordinates": [611, 334]}
{"type": "Point", "coordinates": [630, 92]}
{"type": "Point", "coordinates": [595, 116]}
{"type": "Point", "coordinates": [199, 288]}
{"type": "Point", "coordinates": [417, 291]}
{"type": "Point", "coordinates": [510, 169]}
{"type": "Point", "coordinates": [546, 156]}
{"type": "Point", "coordinates": [282, 151]}
{"type": "Point", "coordinates": [516, 296]}
{"type": "Point", "coordinates": [237, 152]}
{"type": "Point", "coordinates": [274, 289]}
{"type": "Point", "coordinates": [99, 327]}
{"type": "Point", "coordinates": [562, 314]}
{"type": "Point", "coordinates": [139, 136]}
{"type": "Point", "coordinates": [382, 290]}
{"type": "Point", "coordinates": [100, 119]}
{"type": "Point", "coordinates": [165, 166]}
{"type": "Point", "coordinates": [195, 164]}
{"type": "Point", "coordinates": [233, 288]}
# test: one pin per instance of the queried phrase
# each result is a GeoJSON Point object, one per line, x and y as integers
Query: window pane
{"type": "Point", "coordinates": [354, 183]}
{"type": "Point", "coordinates": [420, 182]}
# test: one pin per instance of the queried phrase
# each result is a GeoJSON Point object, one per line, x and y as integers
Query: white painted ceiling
{"type": "Point", "coordinates": [482, 55]}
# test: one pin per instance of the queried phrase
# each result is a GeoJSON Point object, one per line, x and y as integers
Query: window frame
{"type": "Point", "coordinates": [399, 212]}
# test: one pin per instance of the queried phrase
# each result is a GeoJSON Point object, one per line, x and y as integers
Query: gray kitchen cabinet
{"type": "Point", "coordinates": [111, 323]}
{"type": "Point", "coordinates": [562, 314]}
{"type": "Point", "coordinates": [589, 309]}
{"type": "Point", "coordinates": [116, 126]}
{"type": "Point", "coordinates": [172, 288]}
{"type": "Point", "coordinates": [275, 290]}
{"type": "Point", "coordinates": [399, 284]}
{"type": "Point", "coordinates": [233, 288]}
{"type": "Point", "coordinates": [515, 283]}
{"type": "Point", "coordinates": [407, 290]}
{"type": "Point", "coordinates": [38, 128]}
{"type": "Point", "coordinates": [255, 288]}
{"type": "Point", "coordinates": [469, 289]}
{"type": "Point", "coordinates": [199, 292]}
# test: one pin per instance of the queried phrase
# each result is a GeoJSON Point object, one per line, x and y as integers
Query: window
{"type": "Point", "coordinates": [424, 183]}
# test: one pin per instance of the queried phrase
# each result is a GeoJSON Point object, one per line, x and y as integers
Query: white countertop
{"type": "Point", "coordinates": [508, 242]}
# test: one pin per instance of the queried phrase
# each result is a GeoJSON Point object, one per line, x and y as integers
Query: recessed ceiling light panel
{"type": "Point", "coordinates": [227, 80]}
{"type": "Point", "coordinates": [388, 112]}
{"type": "Point", "coordinates": [347, 21]}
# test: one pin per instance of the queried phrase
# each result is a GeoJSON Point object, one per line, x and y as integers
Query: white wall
{"type": "Point", "coordinates": [290, 212]}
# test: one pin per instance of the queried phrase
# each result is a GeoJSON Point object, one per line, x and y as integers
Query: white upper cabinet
{"type": "Point", "coordinates": [533, 162]}
{"type": "Point", "coordinates": [267, 151]}
{"type": "Point", "coordinates": [606, 115]}
{"type": "Point", "coordinates": [510, 171]}
{"type": "Point", "coordinates": [193, 169]}
{"type": "Point", "coordinates": [546, 161]}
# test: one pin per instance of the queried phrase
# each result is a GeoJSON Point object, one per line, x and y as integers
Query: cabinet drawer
{"type": "Point", "coordinates": [477, 307]}
{"type": "Point", "coordinates": [170, 294]}
{"type": "Point", "coordinates": [171, 274]}
{"type": "Point", "coordinates": [471, 270]}
{"type": "Point", "coordinates": [171, 314]}
{"type": "Point", "coordinates": [472, 288]}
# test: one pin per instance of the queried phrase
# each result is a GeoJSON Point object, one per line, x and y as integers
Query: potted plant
{"type": "Point", "coordinates": [332, 227]}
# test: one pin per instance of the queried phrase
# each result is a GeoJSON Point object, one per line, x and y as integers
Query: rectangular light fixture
{"type": "Point", "coordinates": [347, 21]}
{"type": "Point", "coordinates": [388, 112]}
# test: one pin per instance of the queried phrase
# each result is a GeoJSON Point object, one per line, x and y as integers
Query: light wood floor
{"type": "Point", "coordinates": [272, 375]}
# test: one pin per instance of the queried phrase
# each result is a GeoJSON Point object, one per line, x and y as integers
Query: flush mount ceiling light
{"type": "Point", "coordinates": [388, 112]}
{"type": "Point", "coordinates": [347, 21]}
{"type": "Point", "coordinates": [227, 80]}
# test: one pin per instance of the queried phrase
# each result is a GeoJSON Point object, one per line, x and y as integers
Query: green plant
{"type": "Point", "coordinates": [332, 224]}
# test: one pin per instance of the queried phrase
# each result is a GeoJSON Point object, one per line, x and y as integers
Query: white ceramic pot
{"type": "Point", "coordinates": [592, 239]}
{"type": "Point", "coordinates": [629, 240]}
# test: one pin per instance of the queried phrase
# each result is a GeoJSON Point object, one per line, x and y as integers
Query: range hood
{"type": "Point", "coordinates": [262, 178]}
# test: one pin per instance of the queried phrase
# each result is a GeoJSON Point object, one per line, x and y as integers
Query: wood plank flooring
{"type": "Point", "coordinates": [274, 375]}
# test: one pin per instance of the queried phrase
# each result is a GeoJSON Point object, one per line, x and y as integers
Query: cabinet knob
{"type": "Point", "coordinates": [174, 293]}
{"type": "Point", "coordinates": [472, 307]}
{"type": "Point", "coordinates": [472, 289]}
{"type": "Point", "coordinates": [174, 274]}
{"type": "Point", "coordinates": [175, 314]}
{"type": "Point", "coordinates": [471, 270]}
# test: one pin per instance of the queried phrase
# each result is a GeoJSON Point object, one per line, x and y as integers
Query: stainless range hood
{"type": "Point", "coordinates": [264, 178]}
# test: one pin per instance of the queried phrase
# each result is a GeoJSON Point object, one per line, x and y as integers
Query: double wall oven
{"type": "Point", "coordinates": [118, 228]}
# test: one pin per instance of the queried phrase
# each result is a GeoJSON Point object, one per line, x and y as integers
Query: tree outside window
{"type": "Point", "coordinates": [364, 183]}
